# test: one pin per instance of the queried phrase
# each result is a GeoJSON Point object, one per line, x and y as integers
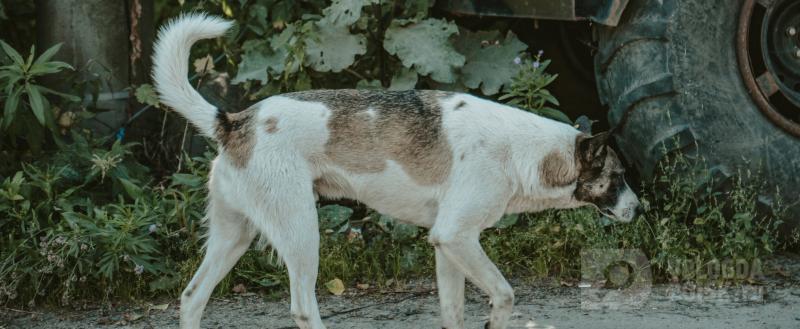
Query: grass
{"type": "Point", "coordinates": [62, 243]}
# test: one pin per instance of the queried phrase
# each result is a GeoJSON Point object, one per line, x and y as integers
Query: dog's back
{"type": "Point", "coordinates": [396, 151]}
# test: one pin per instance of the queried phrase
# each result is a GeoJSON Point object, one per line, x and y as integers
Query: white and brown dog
{"type": "Point", "coordinates": [450, 162]}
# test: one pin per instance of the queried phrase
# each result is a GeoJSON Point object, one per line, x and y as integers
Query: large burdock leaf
{"type": "Point", "coordinates": [263, 58]}
{"type": "Point", "coordinates": [258, 60]}
{"type": "Point", "coordinates": [333, 48]}
{"type": "Point", "coordinates": [343, 13]}
{"type": "Point", "coordinates": [425, 46]}
{"type": "Point", "coordinates": [404, 79]}
{"type": "Point", "coordinates": [490, 59]}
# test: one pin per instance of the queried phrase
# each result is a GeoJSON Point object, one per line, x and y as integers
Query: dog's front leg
{"type": "Point", "coordinates": [450, 282]}
{"type": "Point", "coordinates": [466, 251]}
{"type": "Point", "coordinates": [455, 235]}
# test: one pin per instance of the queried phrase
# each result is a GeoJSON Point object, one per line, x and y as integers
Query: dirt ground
{"type": "Point", "coordinates": [775, 304]}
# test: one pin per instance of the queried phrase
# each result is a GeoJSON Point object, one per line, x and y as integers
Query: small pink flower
{"type": "Point", "coordinates": [139, 269]}
{"type": "Point", "coordinates": [517, 60]}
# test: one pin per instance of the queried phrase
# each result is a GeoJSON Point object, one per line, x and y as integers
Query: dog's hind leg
{"type": "Point", "coordinates": [299, 247]}
{"type": "Point", "coordinates": [289, 220]}
{"type": "Point", "coordinates": [450, 282]}
{"type": "Point", "coordinates": [229, 236]}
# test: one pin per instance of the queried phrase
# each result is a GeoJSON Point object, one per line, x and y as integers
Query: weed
{"type": "Point", "coordinates": [26, 106]}
{"type": "Point", "coordinates": [63, 242]}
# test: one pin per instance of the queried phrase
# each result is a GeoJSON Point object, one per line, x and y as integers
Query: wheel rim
{"type": "Point", "coordinates": [768, 47]}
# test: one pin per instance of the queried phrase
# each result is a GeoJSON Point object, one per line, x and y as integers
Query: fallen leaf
{"type": "Point", "coordinates": [335, 286]}
{"type": "Point", "coordinates": [160, 307]}
{"type": "Point", "coordinates": [362, 286]}
{"type": "Point", "coordinates": [239, 289]}
{"type": "Point", "coordinates": [131, 317]}
{"type": "Point", "coordinates": [353, 234]}
{"type": "Point", "coordinates": [204, 64]}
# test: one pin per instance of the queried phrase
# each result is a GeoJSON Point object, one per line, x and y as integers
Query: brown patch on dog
{"type": "Point", "coordinates": [367, 128]}
{"type": "Point", "coordinates": [235, 134]}
{"type": "Point", "coordinates": [272, 125]}
{"type": "Point", "coordinates": [557, 171]}
{"type": "Point", "coordinates": [190, 291]}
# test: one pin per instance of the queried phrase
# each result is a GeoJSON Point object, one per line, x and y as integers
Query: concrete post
{"type": "Point", "coordinates": [97, 41]}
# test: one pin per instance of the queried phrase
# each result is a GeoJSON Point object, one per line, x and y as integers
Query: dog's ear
{"type": "Point", "coordinates": [591, 148]}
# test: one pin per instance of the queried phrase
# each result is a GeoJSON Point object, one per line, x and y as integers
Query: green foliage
{"type": "Point", "coordinates": [528, 89]}
{"type": "Point", "coordinates": [425, 46]}
{"type": "Point", "coordinates": [63, 240]}
{"type": "Point", "coordinates": [27, 112]}
{"type": "Point", "coordinates": [377, 43]}
{"type": "Point", "coordinates": [343, 13]}
{"type": "Point", "coordinates": [405, 79]}
{"type": "Point", "coordinates": [259, 62]}
{"type": "Point", "coordinates": [693, 215]}
{"type": "Point", "coordinates": [83, 222]}
{"type": "Point", "coordinates": [490, 59]}
{"type": "Point", "coordinates": [333, 48]}
{"type": "Point", "coordinates": [146, 94]}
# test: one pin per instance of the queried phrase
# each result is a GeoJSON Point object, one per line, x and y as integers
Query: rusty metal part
{"type": "Point", "coordinates": [765, 85]}
{"type": "Point", "coordinates": [605, 12]}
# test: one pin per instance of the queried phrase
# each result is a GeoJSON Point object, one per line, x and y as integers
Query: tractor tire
{"type": "Point", "coordinates": [670, 76]}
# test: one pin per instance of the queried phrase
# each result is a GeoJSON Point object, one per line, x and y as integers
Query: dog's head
{"type": "Point", "coordinates": [601, 180]}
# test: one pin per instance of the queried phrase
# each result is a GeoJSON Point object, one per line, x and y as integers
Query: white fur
{"type": "Point", "coordinates": [171, 67]}
{"type": "Point", "coordinates": [274, 195]}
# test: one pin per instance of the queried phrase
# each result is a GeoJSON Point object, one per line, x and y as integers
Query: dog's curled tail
{"type": "Point", "coordinates": [171, 67]}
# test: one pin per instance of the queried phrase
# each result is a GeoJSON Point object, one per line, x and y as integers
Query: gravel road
{"type": "Point", "coordinates": [537, 306]}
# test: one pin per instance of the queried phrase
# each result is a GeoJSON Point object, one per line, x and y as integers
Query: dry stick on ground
{"type": "Point", "coordinates": [351, 310]}
{"type": "Point", "coordinates": [21, 311]}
